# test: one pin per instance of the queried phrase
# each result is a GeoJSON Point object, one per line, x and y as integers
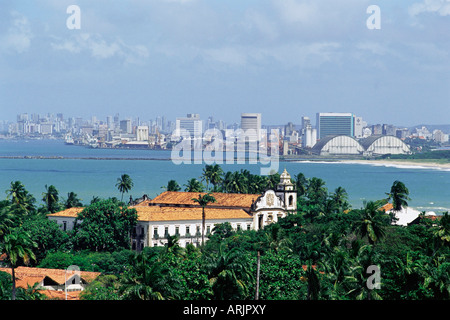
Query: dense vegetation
{"type": "Point", "coordinates": [324, 251]}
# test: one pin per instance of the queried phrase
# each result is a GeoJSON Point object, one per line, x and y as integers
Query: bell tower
{"type": "Point", "coordinates": [287, 192]}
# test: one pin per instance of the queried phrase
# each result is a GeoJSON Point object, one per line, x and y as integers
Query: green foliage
{"type": "Point", "coordinates": [124, 184]}
{"type": "Point", "coordinates": [321, 252]}
{"type": "Point", "coordinates": [104, 226]}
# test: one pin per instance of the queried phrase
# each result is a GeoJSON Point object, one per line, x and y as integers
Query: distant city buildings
{"type": "Point", "coordinates": [158, 132]}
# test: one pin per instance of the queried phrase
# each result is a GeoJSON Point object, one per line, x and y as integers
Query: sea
{"type": "Point", "coordinates": [93, 172]}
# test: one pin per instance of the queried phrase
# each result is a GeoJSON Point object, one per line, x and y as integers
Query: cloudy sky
{"type": "Point", "coordinates": [283, 58]}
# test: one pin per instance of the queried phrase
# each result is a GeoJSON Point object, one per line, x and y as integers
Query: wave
{"type": "Point", "coordinates": [385, 164]}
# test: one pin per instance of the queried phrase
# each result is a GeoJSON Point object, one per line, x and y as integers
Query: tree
{"type": "Point", "coordinates": [51, 198]}
{"type": "Point", "coordinates": [6, 220]}
{"type": "Point", "coordinates": [17, 246]}
{"type": "Point", "coordinates": [339, 199]}
{"type": "Point", "coordinates": [21, 201]}
{"type": "Point", "coordinates": [172, 185]}
{"type": "Point", "coordinates": [193, 185]}
{"type": "Point", "coordinates": [124, 184]}
{"type": "Point", "coordinates": [399, 195]}
{"type": "Point", "coordinates": [229, 274]}
{"type": "Point", "coordinates": [104, 226]}
{"type": "Point", "coordinates": [72, 201]}
{"type": "Point", "coordinates": [148, 278]}
{"type": "Point", "coordinates": [370, 223]}
{"type": "Point", "coordinates": [203, 201]}
{"type": "Point", "coordinates": [442, 230]}
{"type": "Point", "coordinates": [213, 174]}
{"type": "Point", "coordinates": [301, 182]}
{"type": "Point", "coordinates": [47, 235]}
{"type": "Point", "coordinates": [31, 292]}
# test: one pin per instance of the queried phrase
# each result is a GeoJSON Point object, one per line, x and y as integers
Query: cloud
{"type": "Point", "coordinates": [100, 48]}
{"type": "Point", "coordinates": [18, 36]}
{"type": "Point", "coordinates": [441, 7]}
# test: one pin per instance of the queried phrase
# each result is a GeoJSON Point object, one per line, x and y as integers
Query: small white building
{"type": "Point", "coordinates": [176, 214]}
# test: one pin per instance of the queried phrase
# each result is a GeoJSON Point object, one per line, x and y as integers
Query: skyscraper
{"type": "Point", "coordinates": [330, 124]}
{"type": "Point", "coordinates": [251, 125]}
{"type": "Point", "coordinates": [191, 124]}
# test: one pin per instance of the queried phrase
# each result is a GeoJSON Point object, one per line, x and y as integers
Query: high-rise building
{"type": "Point", "coordinates": [251, 125]}
{"type": "Point", "coordinates": [192, 124]}
{"type": "Point", "coordinates": [330, 124]}
{"type": "Point", "coordinates": [125, 126]}
{"type": "Point", "coordinates": [308, 133]}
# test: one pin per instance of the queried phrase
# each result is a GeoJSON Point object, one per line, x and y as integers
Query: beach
{"type": "Point", "coordinates": [401, 163]}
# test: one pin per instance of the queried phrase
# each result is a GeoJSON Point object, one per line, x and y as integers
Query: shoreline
{"type": "Point", "coordinates": [400, 163]}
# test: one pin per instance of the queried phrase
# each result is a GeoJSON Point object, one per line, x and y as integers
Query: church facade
{"type": "Point", "coordinates": [176, 214]}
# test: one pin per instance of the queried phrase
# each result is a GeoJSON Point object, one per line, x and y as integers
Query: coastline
{"type": "Point", "coordinates": [400, 163]}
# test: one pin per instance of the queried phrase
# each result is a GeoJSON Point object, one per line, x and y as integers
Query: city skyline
{"type": "Point", "coordinates": [284, 60]}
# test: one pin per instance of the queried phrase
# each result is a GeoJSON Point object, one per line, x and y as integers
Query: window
{"type": "Point", "coordinates": [208, 229]}
{"type": "Point", "coordinates": [188, 231]}
{"type": "Point", "coordinates": [64, 225]}
{"type": "Point", "coordinates": [291, 200]}
{"type": "Point", "coordinates": [155, 233]}
{"type": "Point", "coordinates": [177, 231]}
{"type": "Point", "coordinates": [238, 227]}
{"type": "Point", "coordinates": [248, 226]}
{"type": "Point", "coordinates": [166, 231]}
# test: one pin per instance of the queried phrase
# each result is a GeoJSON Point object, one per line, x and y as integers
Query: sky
{"type": "Point", "coordinates": [282, 58]}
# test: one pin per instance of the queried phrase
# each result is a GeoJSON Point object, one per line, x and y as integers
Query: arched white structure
{"type": "Point", "coordinates": [376, 145]}
{"type": "Point", "coordinates": [338, 145]}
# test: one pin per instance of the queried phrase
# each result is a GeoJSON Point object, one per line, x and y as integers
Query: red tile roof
{"type": "Point", "coordinates": [240, 200]}
{"type": "Point", "coordinates": [29, 276]}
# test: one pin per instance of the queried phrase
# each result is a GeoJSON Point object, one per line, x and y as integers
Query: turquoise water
{"type": "Point", "coordinates": [78, 172]}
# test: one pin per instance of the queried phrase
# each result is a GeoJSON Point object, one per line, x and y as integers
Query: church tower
{"type": "Point", "coordinates": [286, 190]}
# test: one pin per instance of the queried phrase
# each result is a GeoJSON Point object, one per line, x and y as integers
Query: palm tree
{"type": "Point", "coordinates": [358, 274]}
{"type": "Point", "coordinates": [442, 231]}
{"type": "Point", "coordinates": [228, 274]}
{"type": "Point", "coordinates": [193, 185]}
{"type": "Point", "coordinates": [370, 223]}
{"type": "Point", "coordinates": [339, 198]}
{"type": "Point", "coordinates": [316, 192]}
{"type": "Point", "coordinates": [31, 293]}
{"type": "Point", "coordinates": [212, 174]}
{"type": "Point", "coordinates": [50, 197]}
{"type": "Point", "coordinates": [16, 192]}
{"type": "Point", "coordinates": [203, 202]}
{"type": "Point", "coordinates": [301, 182]}
{"type": "Point", "coordinates": [124, 184]}
{"type": "Point", "coordinates": [147, 279]}
{"type": "Point", "coordinates": [399, 195]}
{"type": "Point", "coordinates": [17, 245]}
{"type": "Point", "coordinates": [172, 185]}
{"type": "Point", "coordinates": [72, 201]}
{"type": "Point", "coordinates": [312, 281]}
{"type": "Point", "coordinates": [6, 220]}
{"type": "Point", "coordinates": [20, 198]}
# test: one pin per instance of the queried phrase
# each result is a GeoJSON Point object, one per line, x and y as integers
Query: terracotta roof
{"type": "Point", "coordinates": [387, 207]}
{"type": "Point", "coordinates": [163, 213]}
{"type": "Point", "coordinates": [28, 275]}
{"type": "Point", "coordinates": [72, 212]}
{"type": "Point", "coordinates": [222, 199]}
{"type": "Point", "coordinates": [158, 213]}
